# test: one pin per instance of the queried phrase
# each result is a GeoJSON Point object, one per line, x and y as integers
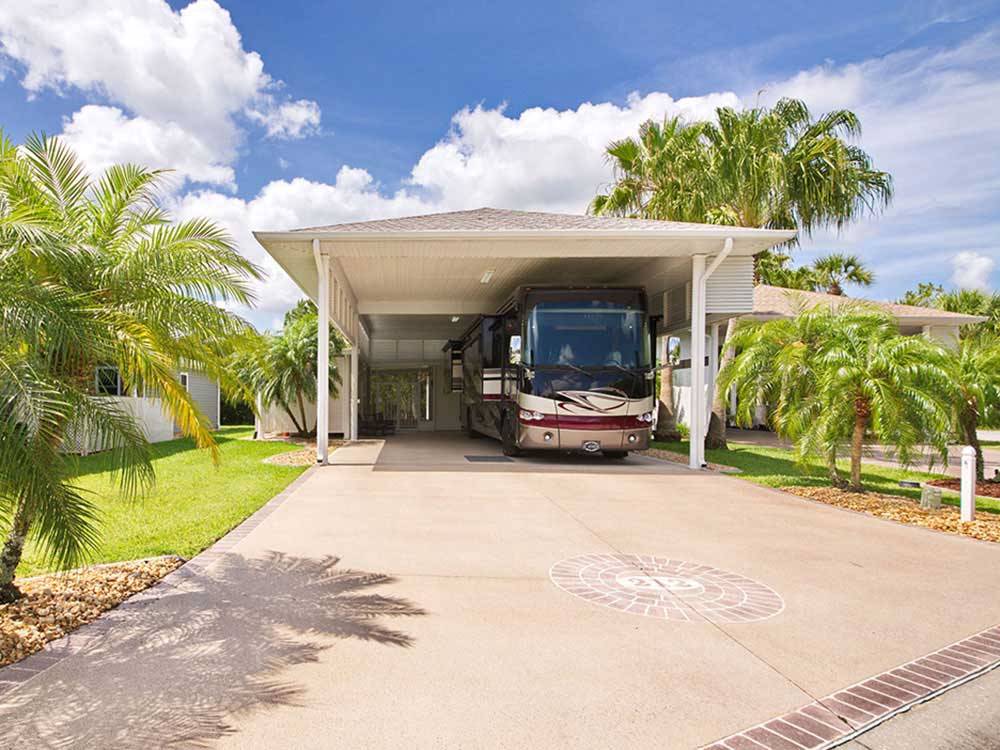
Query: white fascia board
{"type": "Point", "coordinates": [720, 233]}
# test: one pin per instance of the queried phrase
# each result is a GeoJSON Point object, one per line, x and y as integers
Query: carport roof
{"type": "Point", "coordinates": [468, 262]}
{"type": "Point", "coordinates": [502, 220]}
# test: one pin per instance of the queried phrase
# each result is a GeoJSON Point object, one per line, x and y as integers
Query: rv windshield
{"type": "Point", "coordinates": [578, 332]}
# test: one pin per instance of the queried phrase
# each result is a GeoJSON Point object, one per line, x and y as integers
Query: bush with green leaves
{"type": "Point", "coordinates": [836, 379]}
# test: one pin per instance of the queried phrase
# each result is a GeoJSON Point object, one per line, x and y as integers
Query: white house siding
{"type": "Point", "coordinates": [205, 393]}
{"type": "Point", "coordinates": [148, 414]}
{"type": "Point", "coordinates": [729, 290]}
{"type": "Point", "coordinates": [275, 420]}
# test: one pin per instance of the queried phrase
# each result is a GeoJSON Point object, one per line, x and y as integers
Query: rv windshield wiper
{"type": "Point", "coordinates": [577, 368]}
{"type": "Point", "coordinates": [629, 370]}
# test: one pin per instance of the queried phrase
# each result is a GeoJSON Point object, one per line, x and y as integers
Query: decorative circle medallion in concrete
{"type": "Point", "coordinates": [669, 589]}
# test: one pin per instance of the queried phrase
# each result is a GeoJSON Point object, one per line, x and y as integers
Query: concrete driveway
{"type": "Point", "coordinates": [411, 597]}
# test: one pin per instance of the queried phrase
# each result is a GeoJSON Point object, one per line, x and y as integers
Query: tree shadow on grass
{"type": "Point", "coordinates": [173, 666]}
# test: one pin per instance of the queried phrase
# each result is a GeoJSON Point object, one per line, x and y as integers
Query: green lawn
{"type": "Point", "coordinates": [192, 504]}
{"type": "Point", "coordinates": [776, 467]}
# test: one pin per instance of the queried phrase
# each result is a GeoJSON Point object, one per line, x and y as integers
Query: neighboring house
{"type": "Point", "coordinates": [147, 410]}
{"type": "Point", "coordinates": [771, 302]}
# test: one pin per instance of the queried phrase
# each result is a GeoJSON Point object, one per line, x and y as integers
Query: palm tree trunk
{"type": "Point", "coordinates": [302, 411]}
{"type": "Point", "coordinates": [831, 467]}
{"type": "Point", "coordinates": [666, 414]}
{"type": "Point", "coordinates": [10, 556]}
{"type": "Point", "coordinates": [857, 443]}
{"type": "Point", "coordinates": [716, 437]}
{"type": "Point", "coordinates": [291, 416]}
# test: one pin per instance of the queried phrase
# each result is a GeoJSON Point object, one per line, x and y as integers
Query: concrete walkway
{"type": "Point", "coordinates": [404, 599]}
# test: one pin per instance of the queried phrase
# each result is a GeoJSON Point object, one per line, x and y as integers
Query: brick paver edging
{"type": "Point", "coordinates": [847, 713]}
{"type": "Point", "coordinates": [89, 634]}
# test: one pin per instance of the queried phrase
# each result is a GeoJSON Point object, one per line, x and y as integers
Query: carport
{"type": "Point", "coordinates": [396, 289]}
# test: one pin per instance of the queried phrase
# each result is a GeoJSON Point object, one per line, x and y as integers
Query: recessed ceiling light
{"type": "Point", "coordinates": [455, 318]}
{"type": "Point", "coordinates": [487, 276]}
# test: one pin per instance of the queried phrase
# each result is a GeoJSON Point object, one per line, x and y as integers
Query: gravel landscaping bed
{"type": "Point", "coordinates": [302, 457]}
{"type": "Point", "coordinates": [987, 488]}
{"type": "Point", "coordinates": [678, 458]}
{"type": "Point", "coordinates": [986, 526]}
{"type": "Point", "coordinates": [54, 605]}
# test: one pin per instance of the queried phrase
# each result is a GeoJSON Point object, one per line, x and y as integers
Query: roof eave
{"type": "Point", "coordinates": [773, 235]}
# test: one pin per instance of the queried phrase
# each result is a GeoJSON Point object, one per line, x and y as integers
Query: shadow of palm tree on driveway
{"type": "Point", "coordinates": [175, 667]}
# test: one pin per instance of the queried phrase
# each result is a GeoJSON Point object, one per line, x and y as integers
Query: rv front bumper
{"type": "Point", "coordinates": [587, 441]}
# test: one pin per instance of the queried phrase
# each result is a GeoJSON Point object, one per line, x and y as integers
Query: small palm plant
{"type": "Point", "coordinates": [975, 369]}
{"type": "Point", "coordinates": [841, 378]}
{"type": "Point", "coordinates": [96, 274]}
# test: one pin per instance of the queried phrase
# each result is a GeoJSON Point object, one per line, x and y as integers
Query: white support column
{"type": "Point", "coordinates": [696, 419]}
{"type": "Point", "coordinates": [354, 392]}
{"type": "Point", "coordinates": [713, 372]}
{"type": "Point", "coordinates": [323, 358]}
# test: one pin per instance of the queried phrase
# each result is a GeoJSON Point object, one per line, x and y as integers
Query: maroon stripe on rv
{"type": "Point", "coordinates": [579, 422]}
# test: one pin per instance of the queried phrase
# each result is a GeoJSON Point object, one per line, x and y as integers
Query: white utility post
{"type": "Point", "coordinates": [713, 373]}
{"type": "Point", "coordinates": [697, 401]}
{"type": "Point", "coordinates": [323, 357]}
{"type": "Point", "coordinates": [968, 484]}
{"type": "Point", "coordinates": [354, 393]}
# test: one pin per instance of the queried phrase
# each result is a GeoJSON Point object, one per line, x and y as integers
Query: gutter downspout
{"type": "Point", "coordinates": [700, 399]}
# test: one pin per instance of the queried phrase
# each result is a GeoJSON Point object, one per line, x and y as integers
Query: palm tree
{"type": "Point", "coordinates": [973, 302]}
{"type": "Point", "coordinates": [95, 273]}
{"type": "Point", "coordinates": [845, 375]}
{"type": "Point", "coordinates": [776, 168]}
{"type": "Point", "coordinates": [833, 271]}
{"type": "Point", "coordinates": [281, 369]}
{"type": "Point", "coordinates": [659, 175]}
{"type": "Point", "coordinates": [773, 269]}
{"type": "Point", "coordinates": [975, 369]}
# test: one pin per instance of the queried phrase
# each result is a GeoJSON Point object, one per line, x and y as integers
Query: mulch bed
{"type": "Point", "coordinates": [56, 604]}
{"type": "Point", "coordinates": [986, 488]}
{"type": "Point", "coordinates": [986, 527]}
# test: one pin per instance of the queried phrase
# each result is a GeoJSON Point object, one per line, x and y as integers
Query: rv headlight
{"type": "Point", "coordinates": [531, 416]}
{"type": "Point", "coordinates": [647, 417]}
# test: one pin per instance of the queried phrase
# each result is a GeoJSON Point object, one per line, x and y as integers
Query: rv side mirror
{"type": "Point", "coordinates": [515, 350]}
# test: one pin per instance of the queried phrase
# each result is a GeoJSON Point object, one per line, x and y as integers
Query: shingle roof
{"type": "Point", "coordinates": [502, 220]}
{"type": "Point", "coordinates": [773, 300]}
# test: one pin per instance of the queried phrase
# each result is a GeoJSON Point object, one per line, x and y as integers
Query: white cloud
{"type": "Point", "coordinates": [103, 136]}
{"type": "Point", "coordinates": [928, 120]}
{"type": "Point", "coordinates": [185, 72]}
{"type": "Point", "coordinates": [972, 270]}
{"type": "Point", "coordinates": [545, 159]}
{"type": "Point", "coordinates": [289, 120]}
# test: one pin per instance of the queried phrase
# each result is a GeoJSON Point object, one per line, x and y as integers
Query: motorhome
{"type": "Point", "coordinates": [561, 368]}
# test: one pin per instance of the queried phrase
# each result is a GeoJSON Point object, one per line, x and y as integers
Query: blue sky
{"type": "Point", "coordinates": [276, 115]}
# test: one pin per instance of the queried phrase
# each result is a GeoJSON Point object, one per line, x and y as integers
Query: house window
{"type": "Point", "coordinates": [184, 381]}
{"type": "Point", "coordinates": [107, 381]}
